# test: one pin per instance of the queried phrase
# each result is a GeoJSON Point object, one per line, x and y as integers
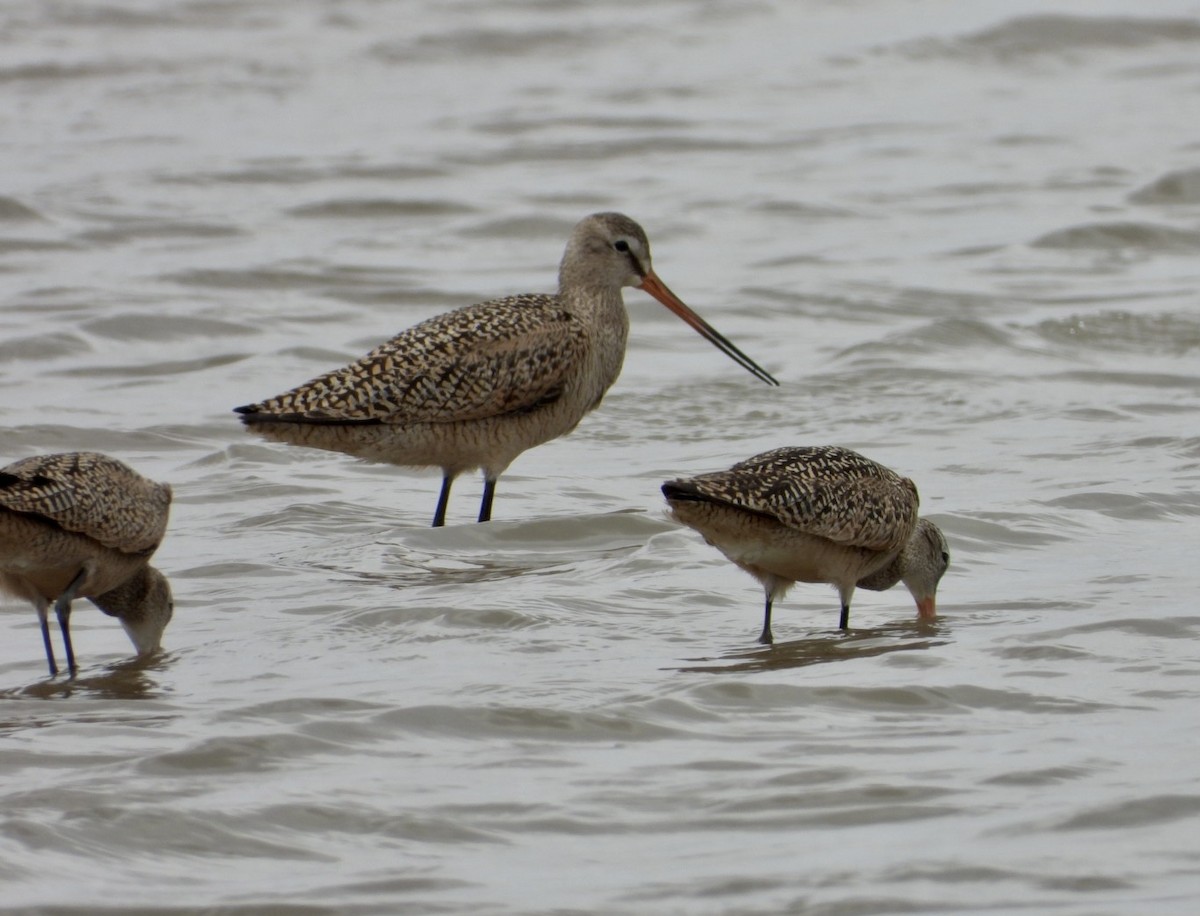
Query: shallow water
{"type": "Point", "coordinates": [964, 238]}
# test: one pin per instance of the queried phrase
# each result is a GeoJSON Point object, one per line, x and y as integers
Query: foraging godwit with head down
{"type": "Point", "coordinates": [476, 387]}
{"type": "Point", "coordinates": [816, 514]}
{"type": "Point", "coordinates": [83, 525]}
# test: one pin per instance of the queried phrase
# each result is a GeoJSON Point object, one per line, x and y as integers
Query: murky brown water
{"type": "Point", "coordinates": [964, 237]}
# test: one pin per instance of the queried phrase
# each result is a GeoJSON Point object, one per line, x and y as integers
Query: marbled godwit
{"type": "Point", "coordinates": [83, 525]}
{"type": "Point", "coordinates": [475, 387]}
{"type": "Point", "coordinates": [816, 514]}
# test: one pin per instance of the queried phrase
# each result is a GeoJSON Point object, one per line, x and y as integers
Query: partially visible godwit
{"type": "Point", "coordinates": [83, 525]}
{"type": "Point", "coordinates": [476, 387]}
{"type": "Point", "coordinates": [816, 514]}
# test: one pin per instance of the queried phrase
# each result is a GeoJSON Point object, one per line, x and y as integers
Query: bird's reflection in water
{"type": "Point", "coordinates": [836, 646]}
{"type": "Point", "coordinates": [129, 679]}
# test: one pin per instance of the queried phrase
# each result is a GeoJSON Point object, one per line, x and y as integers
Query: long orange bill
{"type": "Point", "coordinates": [927, 608]}
{"type": "Point", "coordinates": [656, 288]}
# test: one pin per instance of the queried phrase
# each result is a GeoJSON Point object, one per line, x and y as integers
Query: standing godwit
{"type": "Point", "coordinates": [816, 514]}
{"type": "Point", "coordinates": [83, 525]}
{"type": "Point", "coordinates": [475, 387]}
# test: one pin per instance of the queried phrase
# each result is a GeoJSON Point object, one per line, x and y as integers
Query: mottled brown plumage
{"type": "Point", "coordinates": [475, 387]}
{"type": "Point", "coordinates": [816, 514]}
{"type": "Point", "coordinates": [493, 358]}
{"type": "Point", "coordinates": [82, 524]}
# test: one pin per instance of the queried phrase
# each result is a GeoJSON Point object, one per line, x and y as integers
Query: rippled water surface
{"type": "Point", "coordinates": [964, 236]}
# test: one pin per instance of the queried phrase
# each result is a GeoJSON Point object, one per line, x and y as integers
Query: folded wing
{"type": "Point", "coordinates": [829, 492]}
{"type": "Point", "coordinates": [495, 358]}
{"type": "Point", "coordinates": [90, 494]}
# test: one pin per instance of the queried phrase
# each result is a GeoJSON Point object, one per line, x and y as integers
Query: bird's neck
{"type": "Point", "coordinates": [127, 598]}
{"type": "Point", "coordinates": [601, 311]}
{"type": "Point", "coordinates": [594, 303]}
{"type": "Point", "coordinates": [887, 575]}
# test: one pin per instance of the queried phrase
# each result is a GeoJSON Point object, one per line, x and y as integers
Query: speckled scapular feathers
{"type": "Point", "coordinates": [84, 525]}
{"type": "Point", "coordinates": [475, 387]}
{"type": "Point", "coordinates": [816, 514]}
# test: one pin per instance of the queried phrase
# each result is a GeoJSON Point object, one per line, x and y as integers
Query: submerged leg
{"type": "Point", "coordinates": [62, 610]}
{"type": "Point", "coordinates": [439, 517]}
{"type": "Point", "coordinates": [44, 620]}
{"type": "Point", "coordinates": [766, 638]}
{"type": "Point", "coordinates": [489, 493]}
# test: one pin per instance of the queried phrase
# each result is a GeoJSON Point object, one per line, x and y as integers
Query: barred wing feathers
{"type": "Point", "coordinates": [485, 360]}
{"type": "Point", "coordinates": [827, 491]}
{"type": "Point", "coordinates": [90, 494]}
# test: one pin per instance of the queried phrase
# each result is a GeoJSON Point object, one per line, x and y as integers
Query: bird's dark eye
{"type": "Point", "coordinates": [945, 557]}
{"type": "Point", "coordinates": [621, 245]}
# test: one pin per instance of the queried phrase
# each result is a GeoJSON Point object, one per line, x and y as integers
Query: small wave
{"type": "Point", "coordinates": [1181, 187]}
{"type": "Point", "coordinates": [42, 347]}
{"type": "Point", "coordinates": [944, 333]}
{"type": "Point", "coordinates": [349, 283]}
{"type": "Point", "coordinates": [1048, 776]}
{"type": "Point", "coordinates": [289, 172]}
{"type": "Point", "coordinates": [1121, 235]}
{"type": "Point", "coordinates": [479, 45]}
{"type": "Point", "coordinates": [521, 723]}
{"type": "Point", "coordinates": [11, 245]}
{"type": "Point", "coordinates": [1131, 506]}
{"type": "Point", "coordinates": [1033, 36]}
{"type": "Point", "coordinates": [1164, 380]}
{"type": "Point", "coordinates": [257, 753]}
{"type": "Point", "coordinates": [12, 209]}
{"type": "Point", "coordinates": [509, 123]}
{"type": "Point", "coordinates": [795, 209]}
{"type": "Point", "coordinates": [523, 227]}
{"type": "Point", "coordinates": [112, 16]}
{"type": "Point", "coordinates": [376, 208]}
{"type": "Point", "coordinates": [134, 326]}
{"type": "Point", "coordinates": [1173, 334]}
{"type": "Point", "coordinates": [153, 370]}
{"type": "Point", "coordinates": [1140, 812]}
{"type": "Point", "coordinates": [252, 278]}
{"type": "Point", "coordinates": [626, 148]}
{"type": "Point", "coordinates": [957, 699]}
{"type": "Point", "coordinates": [48, 72]}
{"type": "Point", "coordinates": [1003, 529]}
{"type": "Point", "coordinates": [153, 229]}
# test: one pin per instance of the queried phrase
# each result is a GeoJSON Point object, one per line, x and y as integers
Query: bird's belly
{"type": "Point", "coordinates": [803, 558]}
{"type": "Point", "coordinates": [39, 560]}
{"type": "Point", "coordinates": [455, 446]}
{"type": "Point", "coordinates": [764, 547]}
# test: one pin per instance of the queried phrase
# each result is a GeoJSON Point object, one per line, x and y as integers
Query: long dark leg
{"type": "Point", "coordinates": [439, 517]}
{"type": "Point", "coordinates": [62, 610]}
{"type": "Point", "coordinates": [44, 619]}
{"type": "Point", "coordinates": [489, 493]}
{"type": "Point", "coordinates": [766, 638]}
{"type": "Point", "coordinates": [844, 623]}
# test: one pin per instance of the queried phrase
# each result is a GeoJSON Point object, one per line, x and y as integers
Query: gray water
{"type": "Point", "coordinates": [963, 235]}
